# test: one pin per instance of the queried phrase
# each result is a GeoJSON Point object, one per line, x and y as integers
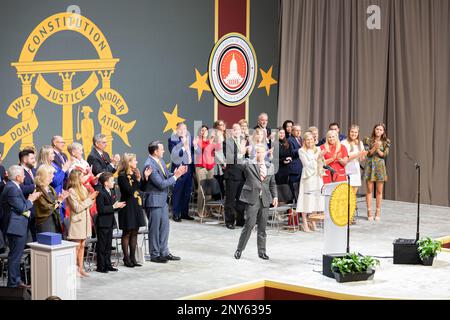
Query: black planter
{"type": "Point", "coordinates": [350, 277]}
{"type": "Point", "coordinates": [428, 261]}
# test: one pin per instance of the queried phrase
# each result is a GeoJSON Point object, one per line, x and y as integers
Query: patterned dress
{"type": "Point", "coordinates": [375, 169]}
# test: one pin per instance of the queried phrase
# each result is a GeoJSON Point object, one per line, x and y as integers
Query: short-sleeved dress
{"type": "Point", "coordinates": [375, 169]}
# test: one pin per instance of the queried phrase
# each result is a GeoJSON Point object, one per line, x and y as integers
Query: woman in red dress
{"type": "Point", "coordinates": [336, 157]}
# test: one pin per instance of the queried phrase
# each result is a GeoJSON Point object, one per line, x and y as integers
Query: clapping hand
{"type": "Point", "coordinates": [67, 165]}
{"type": "Point", "coordinates": [119, 205]}
{"type": "Point", "coordinates": [116, 159]}
{"type": "Point", "coordinates": [93, 195]}
{"type": "Point", "coordinates": [64, 194]}
{"type": "Point", "coordinates": [138, 174]}
{"type": "Point", "coordinates": [147, 172]}
{"type": "Point", "coordinates": [180, 171]}
{"type": "Point", "coordinates": [34, 196]}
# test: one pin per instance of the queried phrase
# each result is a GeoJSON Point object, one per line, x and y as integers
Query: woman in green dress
{"type": "Point", "coordinates": [377, 147]}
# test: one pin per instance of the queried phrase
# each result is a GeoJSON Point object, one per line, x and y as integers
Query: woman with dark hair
{"type": "Point", "coordinates": [287, 127]}
{"type": "Point", "coordinates": [284, 158]}
{"type": "Point", "coordinates": [377, 147]}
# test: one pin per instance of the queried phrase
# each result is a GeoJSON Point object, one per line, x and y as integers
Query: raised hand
{"type": "Point", "coordinates": [119, 205]}
{"type": "Point", "coordinates": [64, 194]}
{"type": "Point", "coordinates": [32, 197]}
{"type": "Point", "coordinates": [138, 174]}
{"type": "Point", "coordinates": [93, 195]}
{"type": "Point", "coordinates": [147, 172]}
{"type": "Point", "coordinates": [67, 165]}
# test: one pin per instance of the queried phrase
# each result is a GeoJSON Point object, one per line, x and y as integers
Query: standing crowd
{"type": "Point", "coordinates": [58, 190]}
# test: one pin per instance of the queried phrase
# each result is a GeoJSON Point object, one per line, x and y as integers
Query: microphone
{"type": "Point", "coordinates": [330, 169]}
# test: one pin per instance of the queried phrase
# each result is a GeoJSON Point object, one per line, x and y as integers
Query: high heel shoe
{"type": "Point", "coordinates": [128, 263]}
{"type": "Point", "coordinates": [377, 214]}
{"type": "Point", "coordinates": [369, 215]}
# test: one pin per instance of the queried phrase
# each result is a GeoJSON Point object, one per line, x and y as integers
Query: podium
{"type": "Point", "coordinates": [53, 271]}
{"type": "Point", "coordinates": [335, 236]}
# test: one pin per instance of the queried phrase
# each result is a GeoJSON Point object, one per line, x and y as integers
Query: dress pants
{"type": "Point", "coordinates": [182, 194]}
{"type": "Point", "coordinates": [234, 209]}
{"type": "Point", "coordinates": [16, 247]}
{"type": "Point", "coordinates": [255, 214]}
{"type": "Point", "coordinates": [104, 241]}
{"type": "Point", "coordinates": [158, 231]}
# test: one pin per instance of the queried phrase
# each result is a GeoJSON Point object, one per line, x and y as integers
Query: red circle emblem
{"type": "Point", "coordinates": [233, 69]}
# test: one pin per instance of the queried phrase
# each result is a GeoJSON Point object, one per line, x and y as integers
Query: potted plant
{"type": "Point", "coordinates": [428, 249]}
{"type": "Point", "coordinates": [354, 267]}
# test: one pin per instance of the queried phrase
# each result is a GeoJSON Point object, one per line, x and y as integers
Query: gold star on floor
{"type": "Point", "coordinates": [200, 83]}
{"type": "Point", "coordinates": [172, 119]}
{"type": "Point", "coordinates": [267, 80]}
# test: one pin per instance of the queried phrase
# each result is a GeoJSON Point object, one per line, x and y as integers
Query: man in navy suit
{"type": "Point", "coordinates": [58, 145]}
{"type": "Point", "coordinates": [16, 209]}
{"type": "Point", "coordinates": [2, 185]}
{"type": "Point", "coordinates": [181, 150]}
{"type": "Point", "coordinates": [333, 126]}
{"type": "Point", "coordinates": [27, 160]}
{"type": "Point", "coordinates": [156, 183]}
{"type": "Point", "coordinates": [295, 166]}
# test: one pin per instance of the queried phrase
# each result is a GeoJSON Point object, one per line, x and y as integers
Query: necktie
{"type": "Point", "coordinates": [31, 174]}
{"type": "Point", "coordinates": [262, 171]}
{"type": "Point", "coordinates": [162, 169]}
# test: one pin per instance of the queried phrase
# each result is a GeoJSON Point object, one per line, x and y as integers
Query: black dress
{"type": "Point", "coordinates": [131, 216]}
{"type": "Point", "coordinates": [282, 176]}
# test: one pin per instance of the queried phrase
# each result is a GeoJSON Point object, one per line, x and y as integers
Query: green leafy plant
{"type": "Point", "coordinates": [428, 247]}
{"type": "Point", "coordinates": [353, 263]}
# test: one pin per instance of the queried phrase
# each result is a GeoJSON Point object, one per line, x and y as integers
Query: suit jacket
{"type": "Point", "coordinates": [253, 186]}
{"type": "Point", "coordinates": [295, 167]}
{"type": "Point", "coordinates": [98, 164]}
{"type": "Point", "coordinates": [105, 210]}
{"type": "Point", "coordinates": [44, 206]}
{"type": "Point", "coordinates": [234, 160]}
{"type": "Point", "coordinates": [178, 155]}
{"type": "Point", "coordinates": [58, 160]}
{"type": "Point", "coordinates": [2, 178]}
{"type": "Point", "coordinates": [14, 205]}
{"type": "Point", "coordinates": [28, 187]}
{"type": "Point", "coordinates": [157, 185]}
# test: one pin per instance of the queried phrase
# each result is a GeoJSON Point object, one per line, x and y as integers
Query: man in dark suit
{"type": "Point", "coordinates": [234, 176]}
{"type": "Point", "coordinates": [2, 175]}
{"type": "Point", "coordinates": [27, 160]}
{"type": "Point", "coordinates": [58, 145]}
{"type": "Point", "coordinates": [295, 167]}
{"type": "Point", "coordinates": [16, 209]}
{"type": "Point", "coordinates": [333, 126]}
{"type": "Point", "coordinates": [181, 150]}
{"type": "Point", "coordinates": [106, 205]}
{"type": "Point", "coordinates": [263, 120]}
{"type": "Point", "coordinates": [2, 186]}
{"type": "Point", "coordinates": [259, 192]}
{"type": "Point", "coordinates": [99, 159]}
{"type": "Point", "coordinates": [156, 185]}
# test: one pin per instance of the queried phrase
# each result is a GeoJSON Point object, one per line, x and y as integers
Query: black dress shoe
{"type": "Point", "coordinates": [230, 226]}
{"type": "Point", "coordinates": [176, 219]}
{"type": "Point", "coordinates": [102, 270]}
{"type": "Point", "coordinates": [263, 256]}
{"type": "Point", "coordinates": [171, 257]}
{"type": "Point", "coordinates": [158, 260]}
{"type": "Point", "coordinates": [237, 254]}
{"type": "Point", "coordinates": [112, 269]}
{"type": "Point", "coordinates": [128, 264]}
{"type": "Point", "coordinates": [187, 218]}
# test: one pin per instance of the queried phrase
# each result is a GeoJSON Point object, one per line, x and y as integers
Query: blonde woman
{"type": "Point", "coordinates": [79, 202]}
{"type": "Point", "coordinates": [315, 133]}
{"type": "Point", "coordinates": [335, 157]}
{"type": "Point", "coordinates": [309, 197]}
{"type": "Point", "coordinates": [47, 205]}
{"type": "Point", "coordinates": [356, 153]}
{"type": "Point", "coordinates": [131, 217]}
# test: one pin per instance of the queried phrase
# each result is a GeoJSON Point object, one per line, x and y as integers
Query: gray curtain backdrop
{"type": "Point", "coordinates": [333, 68]}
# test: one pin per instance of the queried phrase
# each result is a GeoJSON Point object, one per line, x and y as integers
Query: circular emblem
{"type": "Point", "coordinates": [232, 69]}
{"type": "Point", "coordinates": [339, 205]}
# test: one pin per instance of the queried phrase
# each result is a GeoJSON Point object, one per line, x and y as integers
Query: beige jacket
{"type": "Point", "coordinates": [80, 219]}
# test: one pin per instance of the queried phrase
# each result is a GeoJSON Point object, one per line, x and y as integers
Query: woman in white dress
{"type": "Point", "coordinates": [356, 153]}
{"type": "Point", "coordinates": [310, 198]}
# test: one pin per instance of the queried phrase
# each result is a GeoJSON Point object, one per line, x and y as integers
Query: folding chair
{"type": "Point", "coordinates": [210, 187]}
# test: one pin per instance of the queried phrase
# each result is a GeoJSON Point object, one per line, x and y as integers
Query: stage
{"type": "Point", "coordinates": [208, 265]}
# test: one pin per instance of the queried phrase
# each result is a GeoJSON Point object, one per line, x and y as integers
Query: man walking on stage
{"type": "Point", "coordinates": [258, 193]}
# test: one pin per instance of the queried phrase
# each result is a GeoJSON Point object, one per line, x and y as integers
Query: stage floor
{"type": "Point", "coordinates": [295, 257]}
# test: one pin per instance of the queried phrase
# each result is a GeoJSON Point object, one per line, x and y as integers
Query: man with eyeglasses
{"type": "Point", "coordinates": [58, 145]}
{"type": "Point", "coordinates": [99, 159]}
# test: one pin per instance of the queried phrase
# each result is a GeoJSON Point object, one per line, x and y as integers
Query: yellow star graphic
{"type": "Point", "coordinates": [172, 119]}
{"type": "Point", "coordinates": [200, 83]}
{"type": "Point", "coordinates": [267, 80]}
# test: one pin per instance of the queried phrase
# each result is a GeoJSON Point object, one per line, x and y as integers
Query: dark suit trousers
{"type": "Point", "coordinates": [16, 247]}
{"type": "Point", "coordinates": [158, 231]}
{"type": "Point", "coordinates": [104, 240]}
{"type": "Point", "coordinates": [182, 194]}
{"type": "Point", "coordinates": [255, 214]}
{"type": "Point", "coordinates": [234, 209]}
